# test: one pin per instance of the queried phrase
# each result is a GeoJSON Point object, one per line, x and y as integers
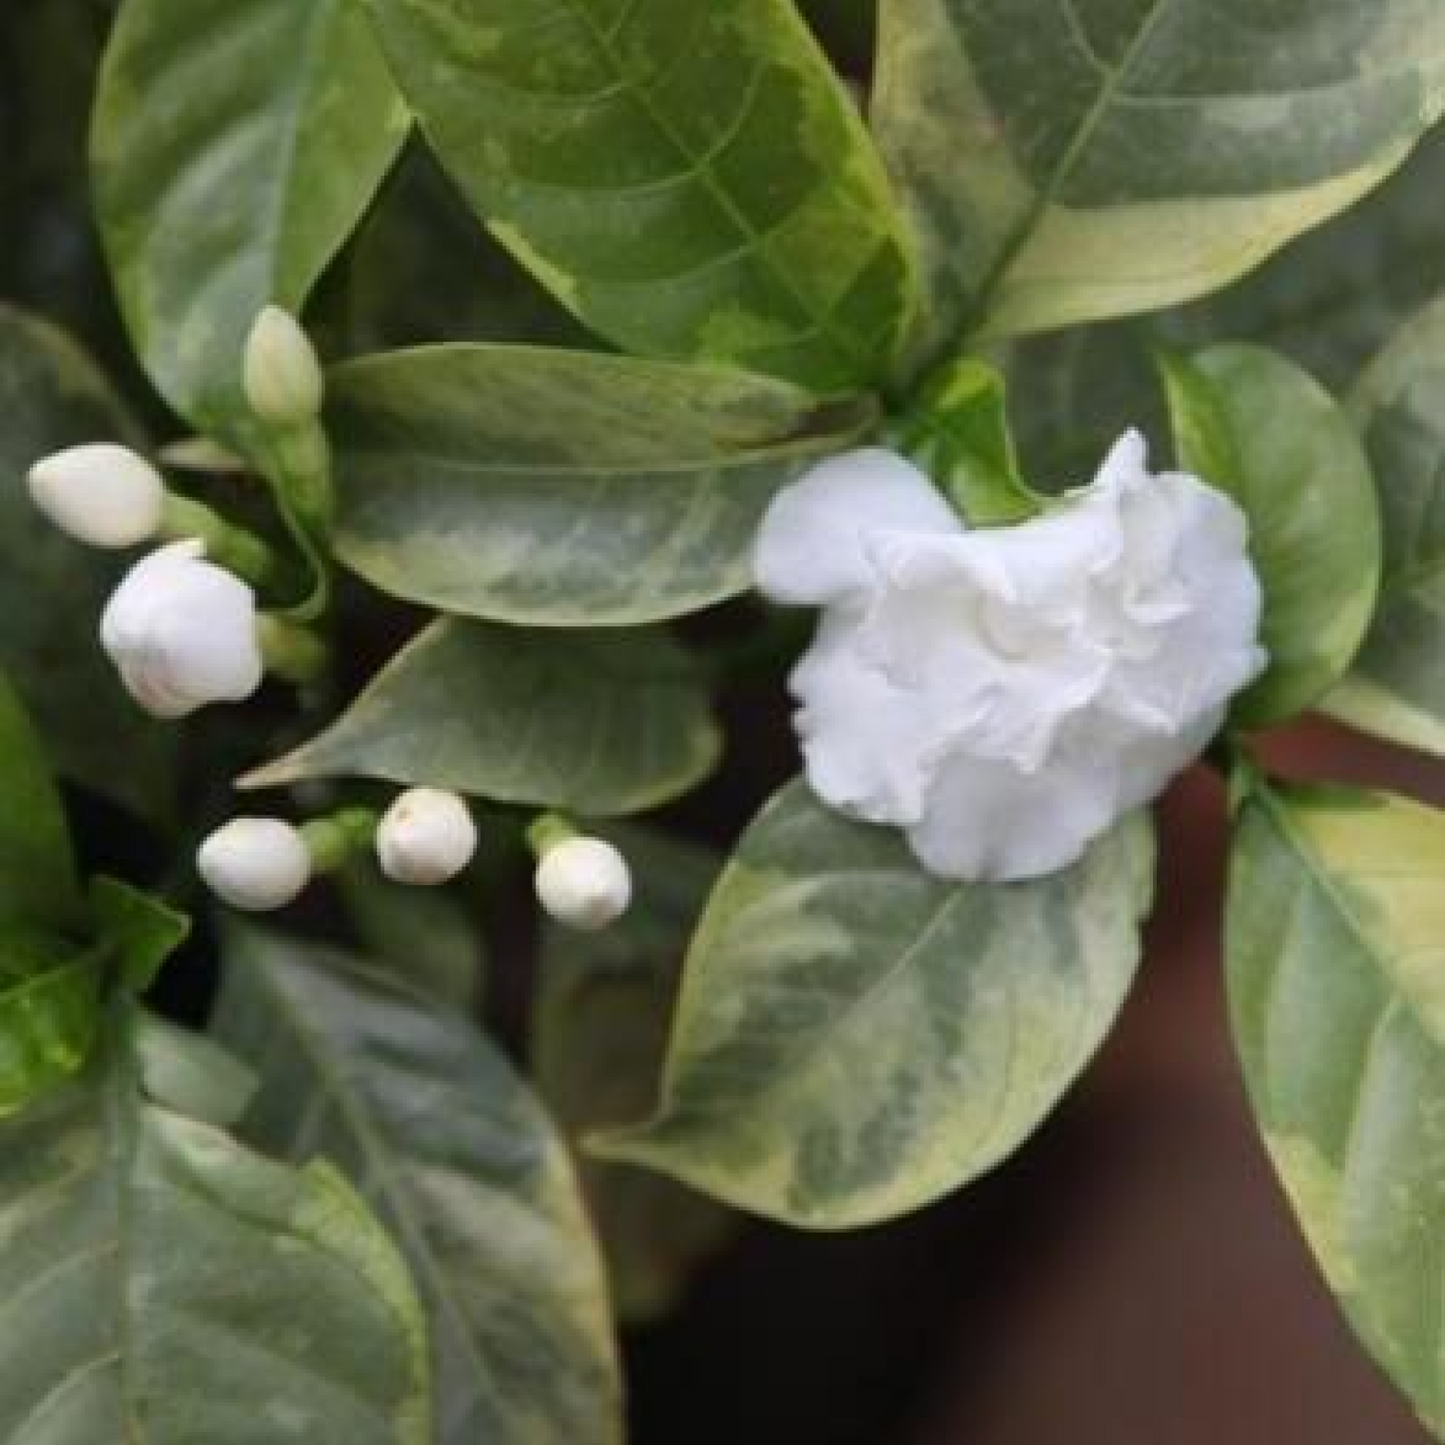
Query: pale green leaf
{"type": "Point", "coordinates": [1065, 162]}
{"type": "Point", "coordinates": [49, 1013]}
{"type": "Point", "coordinates": [460, 1161]}
{"type": "Point", "coordinates": [235, 145]}
{"type": "Point", "coordinates": [52, 590]}
{"type": "Point", "coordinates": [599, 1032]}
{"type": "Point", "coordinates": [163, 1286]}
{"type": "Point", "coordinates": [1397, 688]}
{"type": "Point", "coordinates": [560, 488]}
{"type": "Point", "coordinates": [1336, 942]}
{"type": "Point", "coordinates": [691, 180]}
{"type": "Point", "coordinates": [1254, 425]}
{"type": "Point", "coordinates": [140, 929]}
{"type": "Point", "coordinates": [589, 722]}
{"type": "Point", "coordinates": [855, 1038]}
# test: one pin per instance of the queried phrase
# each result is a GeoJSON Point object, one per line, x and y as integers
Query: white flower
{"type": "Point", "coordinates": [426, 837]}
{"type": "Point", "coordinates": [256, 864]}
{"type": "Point", "coordinates": [183, 632]}
{"type": "Point", "coordinates": [281, 375]}
{"type": "Point", "coordinates": [1004, 695]}
{"type": "Point", "coordinates": [101, 494]}
{"type": "Point", "coordinates": [584, 883]}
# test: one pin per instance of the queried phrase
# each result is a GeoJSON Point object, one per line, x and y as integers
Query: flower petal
{"type": "Point", "coordinates": [812, 543]}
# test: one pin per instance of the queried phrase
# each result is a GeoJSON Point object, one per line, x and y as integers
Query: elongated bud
{"type": "Point", "coordinates": [426, 837]}
{"type": "Point", "coordinates": [584, 883]}
{"type": "Point", "coordinates": [255, 864]}
{"type": "Point", "coordinates": [282, 376]}
{"type": "Point", "coordinates": [101, 494]}
{"type": "Point", "coordinates": [183, 632]}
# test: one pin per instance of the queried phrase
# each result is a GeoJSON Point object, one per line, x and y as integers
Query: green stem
{"type": "Point", "coordinates": [227, 545]}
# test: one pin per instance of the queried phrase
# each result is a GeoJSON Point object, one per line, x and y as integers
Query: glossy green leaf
{"type": "Point", "coordinates": [49, 1013]}
{"type": "Point", "coordinates": [855, 1038]}
{"type": "Point", "coordinates": [52, 590]}
{"type": "Point", "coordinates": [590, 722]}
{"type": "Point", "coordinates": [959, 434]}
{"type": "Point", "coordinates": [1336, 943]}
{"type": "Point", "coordinates": [462, 1164]}
{"type": "Point", "coordinates": [235, 145]}
{"type": "Point", "coordinates": [164, 1286]}
{"type": "Point", "coordinates": [141, 929]}
{"type": "Point", "coordinates": [428, 935]}
{"type": "Point", "coordinates": [1254, 425]}
{"type": "Point", "coordinates": [565, 489]}
{"type": "Point", "coordinates": [38, 880]}
{"type": "Point", "coordinates": [1397, 688]}
{"type": "Point", "coordinates": [691, 180]}
{"type": "Point", "coordinates": [1067, 162]}
{"type": "Point", "coordinates": [599, 1032]}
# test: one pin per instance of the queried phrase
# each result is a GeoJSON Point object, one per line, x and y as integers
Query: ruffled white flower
{"type": "Point", "coordinates": [1004, 695]}
{"type": "Point", "coordinates": [255, 864]}
{"type": "Point", "coordinates": [183, 632]}
{"type": "Point", "coordinates": [426, 838]}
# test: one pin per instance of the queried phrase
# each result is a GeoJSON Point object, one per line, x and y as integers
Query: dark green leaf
{"type": "Point", "coordinates": [560, 488]}
{"type": "Point", "coordinates": [52, 591]}
{"type": "Point", "coordinates": [691, 180]}
{"type": "Point", "coordinates": [235, 145]}
{"type": "Point", "coordinates": [49, 1013]}
{"type": "Point", "coordinates": [164, 1287]}
{"type": "Point", "coordinates": [598, 1037]}
{"type": "Point", "coordinates": [1256, 426]}
{"type": "Point", "coordinates": [590, 722]}
{"type": "Point", "coordinates": [460, 1161]}
{"type": "Point", "coordinates": [1397, 688]}
{"type": "Point", "coordinates": [38, 882]}
{"type": "Point", "coordinates": [1070, 162]}
{"type": "Point", "coordinates": [1337, 981]}
{"type": "Point", "coordinates": [855, 1038]}
{"type": "Point", "coordinates": [143, 930]}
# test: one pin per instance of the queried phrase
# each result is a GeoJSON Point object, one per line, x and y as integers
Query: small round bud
{"type": "Point", "coordinates": [183, 632]}
{"type": "Point", "coordinates": [255, 864]}
{"type": "Point", "coordinates": [101, 494]}
{"type": "Point", "coordinates": [281, 374]}
{"type": "Point", "coordinates": [426, 837]}
{"type": "Point", "coordinates": [584, 883]}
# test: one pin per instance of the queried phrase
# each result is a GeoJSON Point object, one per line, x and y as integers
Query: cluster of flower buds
{"type": "Point", "coordinates": [184, 631]}
{"type": "Point", "coordinates": [427, 837]}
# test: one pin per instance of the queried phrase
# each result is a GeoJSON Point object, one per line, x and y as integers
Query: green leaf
{"type": "Point", "coordinates": [599, 1032]}
{"type": "Point", "coordinates": [460, 1162]}
{"type": "Point", "coordinates": [52, 591]}
{"type": "Point", "coordinates": [1065, 163]}
{"type": "Point", "coordinates": [563, 489]}
{"type": "Point", "coordinates": [959, 434]}
{"type": "Point", "coordinates": [164, 1286]}
{"type": "Point", "coordinates": [855, 1038]}
{"type": "Point", "coordinates": [142, 929]}
{"type": "Point", "coordinates": [235, 145]}
{"type": "Point", "coordinates": [38, 880]}
{"type": "Point", "coordinates": [49, 1013]}
{"type": "Point", "coordinates": [1256, 426]}
{"type": "Point", "coordinates": [428, 935]}
{"type": "Point", "coordinates": [691, 180]}
{"type": "Point", "coordinates": [1397, 688]}
{"type": "Point", "coordinates": [596, 723]}
{"type": "Point", "coordinates": [1337, 982]}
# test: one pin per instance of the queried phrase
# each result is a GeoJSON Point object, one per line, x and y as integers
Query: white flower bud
{"type": "Point", "coordinates": [255, 864]}
{"type": "Point", "coordinates": [183, 632]}
{"type": "Point", "coordinates": [584, 883]}
{"type": "Point", "coordinates": [426, 837]}
{"type": "Point", "coordinates": [101, 494]}
{"type": "Point", "coordinates": [281, 374]}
